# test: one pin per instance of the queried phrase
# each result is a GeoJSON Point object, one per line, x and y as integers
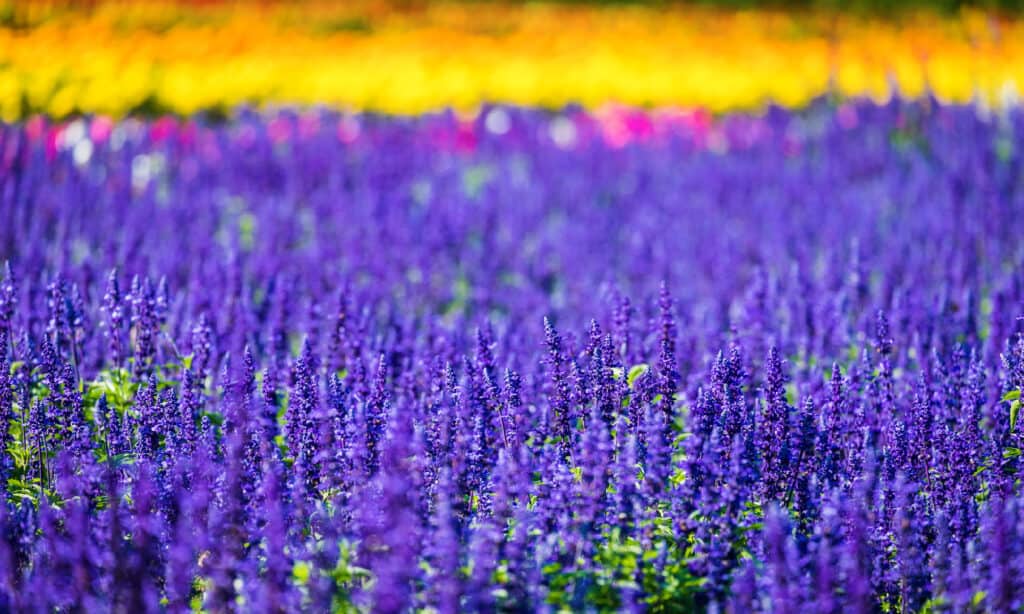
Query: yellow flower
{"type": "Point", "coordinates": [184, 58]}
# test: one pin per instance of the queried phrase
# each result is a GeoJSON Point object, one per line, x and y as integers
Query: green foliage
{"type": "Point", "coordinates": [18, 489]}
{"type": "Point", "coordinates": [346, 575]}
{"type": "Point", "coordinates": [636, 372]}
{"type": "Point", "coordinates": [620, 563]}
{"type": "Point", "coordinates": [117, 385]}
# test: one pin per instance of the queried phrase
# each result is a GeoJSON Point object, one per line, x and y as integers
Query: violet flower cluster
{"type": "Point", "coordinates": [301, 361]}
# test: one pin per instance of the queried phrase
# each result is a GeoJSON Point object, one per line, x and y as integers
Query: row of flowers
{"type": "Point", "coordinates": [117, 59]}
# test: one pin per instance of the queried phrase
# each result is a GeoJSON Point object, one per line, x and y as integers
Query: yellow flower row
{"type": "Point", "coordinates": [118, 57]}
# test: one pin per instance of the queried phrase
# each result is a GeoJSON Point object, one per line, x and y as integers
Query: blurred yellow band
{"type": "Point", "coordinates": [113, 58]}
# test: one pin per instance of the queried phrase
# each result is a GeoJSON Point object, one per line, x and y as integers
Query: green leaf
{"type": "Point", "coordinates": [300, 572]}
{"type": "Point", "coordinates": [935, 604]}
{"type": "Point", "coordinates": [635, 372]}
{"type": "Point", "coordinates": [1014, 411]}
{"type": "Point", "coordinates": [551, 568]}
{"type": "Point", "coordinates": [1011, 452]}
{"type": "Point", "coordinates": [1012, 395]}
{"type": "Point", "coordinates": [577, 473]}
{"type": "Point", "coordinates": [978, 598]}
{"type": "Point", "coordinates": [124, 459]}
{"type": "Point", "coordinates": [790, 389]}
{"type": "Point", "coordinates": [216, 418]}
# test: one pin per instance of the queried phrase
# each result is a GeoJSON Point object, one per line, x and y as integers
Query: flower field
{"type": "Point", "coordinates": [621, 345]}
{"type": "Point", "coordinates": [321, 361]}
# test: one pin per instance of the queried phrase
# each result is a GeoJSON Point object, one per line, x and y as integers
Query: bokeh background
{"type": "Point", "coordinates": [407, 57]}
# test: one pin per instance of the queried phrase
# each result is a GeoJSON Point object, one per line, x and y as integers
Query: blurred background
{"type": "Point", "coordinates": [63, 59]}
